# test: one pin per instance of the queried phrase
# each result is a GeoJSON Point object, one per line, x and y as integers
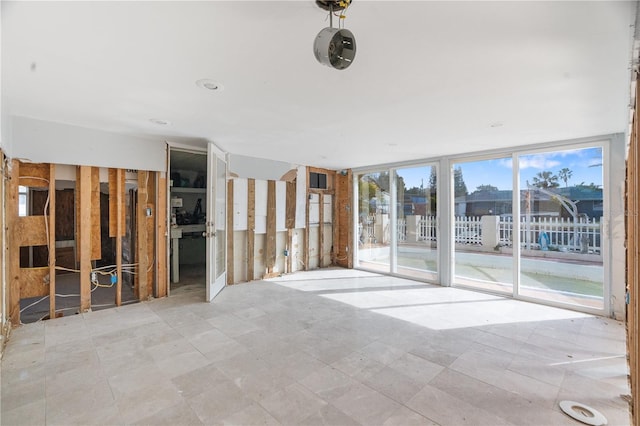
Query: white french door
{"type": "Point", "coordinates": [215, 231]}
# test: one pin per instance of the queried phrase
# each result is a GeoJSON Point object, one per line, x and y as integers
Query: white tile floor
{"type": "Point", "coordinates": [336, 347]}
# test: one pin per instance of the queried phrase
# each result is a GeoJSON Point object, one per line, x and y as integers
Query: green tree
{"type": "Point", "coordinates": [460, 188]}
{"type": "Point", "coordinates": [565, 174]}
{"type": "Point", "coordinates": [545, 180]}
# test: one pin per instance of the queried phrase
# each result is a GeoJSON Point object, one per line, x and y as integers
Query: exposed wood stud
{"type": "Point", "coordinates": [306, 246]}
{"type": "Point", "coordinates": [343, 223]}
{"type": "Point", "coordinates": [290, 215]}
{"type": "Point", "coordinates": [142, 237]}
{"type": "Point", "coordinates": [632, 260]}
{"type": "Point", "coordinates": [270, 255]}
{"type": "Point", "coordinates": [230, 257]}
{"type": "Point", "coordinates": [52, 241]}
{"type": "Point", "coordinates": [84, 243]}
{"type": "Point", "coordinates": [289, 259]}
{"type": "Point", "coordinates": [162, 236]}
{"type": "Point", "coordinates": [119, 230]}
{"type": "Point", "coordinates": [321, 230]}
{"type": "Point", "coordinates": [95, 231]}
{"type": "Point", "coordinates": [14, 252]}
{"type": "Point", "coordinates": [251, 228]}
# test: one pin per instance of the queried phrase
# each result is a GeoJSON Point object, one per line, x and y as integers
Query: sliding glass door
{"type": "Point", "coordinates": [417, 222]}
{"type": "Point", "coordinates": [561, 210]}
{"type": "Point", "coordinates": [374, 222]}
{"type": "Point", "coordinates": [483, 194]}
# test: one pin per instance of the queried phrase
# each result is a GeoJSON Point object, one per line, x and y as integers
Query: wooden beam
{"type": "Point", "coordinates": [321, 230]}
{"type": "Point", "coordinates": [230, 257]}
{"type": "Point", "coordinates": [52, 241]}
{"type": "Point", "coordinates": [290, 214]}
{"type": "Point", "coordinates": [84, 243]}
{"type": "Point", "coordinates": [270, 254]}
{"type": "Point", "coordinates": [162, 236]}
{"type": "Point", "coordinates": [142, 237]}
{"type": "Point", "coordinates": [119, 229]}
{"type": "Point", "coordinates": [289, 259]}
{"type": "Point", "coordinates": [307, 233]}
{"type": "Point", "coordinates": [13, 247]}
{"type": "Point", "coordinates": [251, 228]}
{"type": "Point", "coordinates": [95, 233]}
{"type": "Point", "coordinates": [150, 215]}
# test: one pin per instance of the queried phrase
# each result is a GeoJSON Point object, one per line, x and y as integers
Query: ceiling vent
{"type": "Point", "coordinates": [335, 47]}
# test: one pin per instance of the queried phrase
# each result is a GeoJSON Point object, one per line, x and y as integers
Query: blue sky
{"type": "Point", "coordinates": [586, 165]}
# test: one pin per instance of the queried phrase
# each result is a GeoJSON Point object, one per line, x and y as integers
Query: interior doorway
{"type": "Point", "coordinates": [187, 219]}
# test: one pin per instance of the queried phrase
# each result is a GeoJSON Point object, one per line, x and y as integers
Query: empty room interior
{"type": "Point", "coordinates": [329, 212]}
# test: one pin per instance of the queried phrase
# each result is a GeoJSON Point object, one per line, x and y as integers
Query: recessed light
{"type": "Point", "coordinates": [209, 84]}
{"type": "Point", "coordinates": [159, 122]}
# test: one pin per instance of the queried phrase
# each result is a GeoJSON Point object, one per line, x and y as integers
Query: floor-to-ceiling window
{"type": "Point", "coordinates": [374, 222]}
{"type": "Point", "coordinates": [417, 222]}
{"type": "Point", "coordinates": [531, 223]}
{"type": "Point", "coordinates": [561, 211]}
{"type": "Point", "coordinates": [482, 206]}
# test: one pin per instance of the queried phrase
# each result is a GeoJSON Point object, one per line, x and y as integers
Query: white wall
{"type": "Point", "coordinates": [47, 142]}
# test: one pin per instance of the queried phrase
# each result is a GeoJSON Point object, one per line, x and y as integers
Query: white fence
{"type": "Point", "coordinates": [562, 234]}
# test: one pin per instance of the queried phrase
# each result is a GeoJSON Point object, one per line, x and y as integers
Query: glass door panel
{"type": "Point", "coordinates": [561, 215]}
{"type": "Point", "coordinates": [416, 215]}
{"type": "Point", "coordinates": [374, 236]}
{"type": "Point", "coordinates": [483, 194]}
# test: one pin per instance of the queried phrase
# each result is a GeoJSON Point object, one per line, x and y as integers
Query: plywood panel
{"type": "Point", "coordinates": [30, 231]}
{"type": "Point", "coordinates": [84, 230]}
{"type": "Point", "coordinates": [251, 226]}
{"type": "Point", "coordinates": [343, 226]}
{"type": "Point", "coordinates": [34, 282]}
{"type": "Point", "coordinates": [270, 258]}
{"type": "Point", "coordinates": [35, 175]}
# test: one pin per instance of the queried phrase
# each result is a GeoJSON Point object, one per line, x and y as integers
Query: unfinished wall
{"type": "Point", "coordinates": [263, 239]}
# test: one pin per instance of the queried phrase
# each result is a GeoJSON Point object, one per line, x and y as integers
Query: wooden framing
{"type": "Point", "coordinates": [290, 222]}
{"type": "Point", "coordinates": [52, 241]}
{"type": "Point", "coordinates": [343, 225]}
{"type": "Point", "coordinates": [84, 231]}
{"type": "Point", "coordinates": [251, 228]}
{"type": "Point", "coordinates": [633, 260]}
{"type": "Point", "coordinates": [321, 230]}
{"type": "Point", "coordinates": [14, 245]}
{"type": "Point", "coordinates": [270, 252]}
{"type": "Point", "coordinates": [162, 236]}
{"type": "Point", "coordinates": [142, 291]}
{"type": "Point", "coordinates": [117, 222]}
{"type": "Point", "coordinates": [306, 246]}
{"type": "Point", "coordinates": [95, 233]}
{"type": "Point", "coordinates": [230, 257]}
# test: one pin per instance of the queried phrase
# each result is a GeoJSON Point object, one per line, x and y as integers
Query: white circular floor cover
{"type": "Point", "coordinates": [583, 413]}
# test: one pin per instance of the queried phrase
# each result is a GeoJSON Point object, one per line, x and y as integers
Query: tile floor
{"type": "Point", "coordinates": [333, 347]}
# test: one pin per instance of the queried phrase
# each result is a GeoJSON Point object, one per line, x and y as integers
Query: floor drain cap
{"type": "Point", "coordinates": [583, 413]}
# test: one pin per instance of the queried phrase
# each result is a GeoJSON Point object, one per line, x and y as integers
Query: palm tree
{"type": "Point", "coordinates": [545, 180]}
{"type": "Point", "coordinates": [564, 175]}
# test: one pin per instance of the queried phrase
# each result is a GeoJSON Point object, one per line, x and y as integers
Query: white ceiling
{"type": "Point", "coordinates": [429, 78]}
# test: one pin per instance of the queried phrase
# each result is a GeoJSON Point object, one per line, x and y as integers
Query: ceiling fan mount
{"type": "Point", "coordinates": [333, 5]}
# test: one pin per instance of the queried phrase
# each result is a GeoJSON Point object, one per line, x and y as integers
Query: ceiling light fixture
{"type": "Point", "coordinates": [335, 47]}
{"type": "Point", "coordinates": [209, 84]}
